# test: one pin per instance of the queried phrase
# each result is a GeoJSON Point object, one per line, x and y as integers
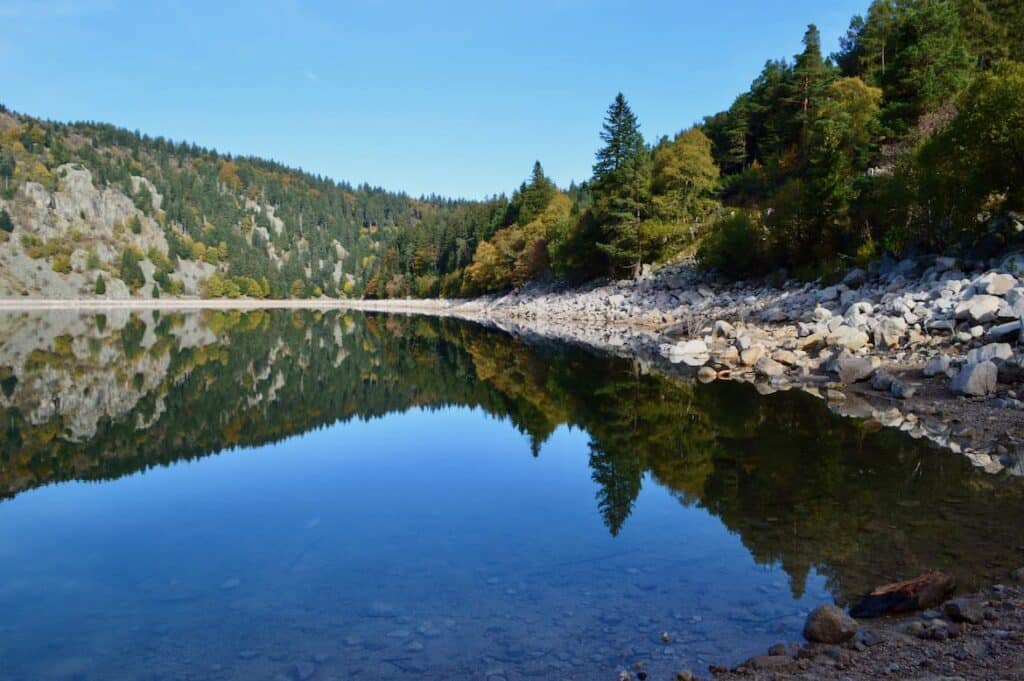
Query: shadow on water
{"type": "Point", "coordinates": [97, 397]}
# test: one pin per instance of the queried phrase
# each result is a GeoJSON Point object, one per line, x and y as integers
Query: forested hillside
{"type": "Point", "coordinates": [910, 138]}
{"type": "Point", "coordinates": [90, 209]}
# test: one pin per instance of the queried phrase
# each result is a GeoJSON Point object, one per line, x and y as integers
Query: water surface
{"type": "Point", "coordinates": [215, 495]}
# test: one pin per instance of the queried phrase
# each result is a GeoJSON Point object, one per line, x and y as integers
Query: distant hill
{"type": "Point", "coordinates": [88, 209]}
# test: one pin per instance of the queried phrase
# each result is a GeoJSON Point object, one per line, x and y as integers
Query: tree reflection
{"type": "Point", "coordinates": [802, 488]}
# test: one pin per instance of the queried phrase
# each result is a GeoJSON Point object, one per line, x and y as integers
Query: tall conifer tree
{"type": "Point", "coordinates": [622, 186]}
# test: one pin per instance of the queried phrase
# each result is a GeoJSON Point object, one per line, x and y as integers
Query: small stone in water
{"type": "Point", "coordinates": [301, 671]}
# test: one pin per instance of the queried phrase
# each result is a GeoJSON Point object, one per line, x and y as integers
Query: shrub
{"type": "Point", "coordinates": [131, 272]}
{"type": "Point", "coordinates": [735, 246]}
{"type": "Point", "coordinates": [61, 263]}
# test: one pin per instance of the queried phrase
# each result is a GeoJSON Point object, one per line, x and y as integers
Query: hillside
{"type": "Point", "coordinates": [92, 210]}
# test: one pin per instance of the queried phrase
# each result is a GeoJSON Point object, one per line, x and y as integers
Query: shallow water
{"type": "Point", "coordinates": [303, 495]}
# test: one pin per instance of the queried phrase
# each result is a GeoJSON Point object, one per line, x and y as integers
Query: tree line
{"type": "Point", "coordinates": [909, 138]}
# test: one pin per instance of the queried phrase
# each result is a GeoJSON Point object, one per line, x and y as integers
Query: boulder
{"type": "Point", "coordinates": [965, 609]}
{"type": "Point", "coordinates": [1005, 331]}
{"type": "Point", "coordinates": [722, 329]}
{"type": "Point", "coordinates": [890, 332]}
{"type": "Point", "coordinates": [919, 593]}
{"type": "Point", "coordinates": [882, 380]}
{"type": "Point", "coordinates": [855, 278]}
{"type": "Point", "coordinates": [692, 347]}
{"type": "Point", "coordinates": [902, 391]}
{"type": "Point", "coordinates": [994, 284]}
{"type": "Point", "coordinates": [979, 308]}
{"type": "Point", "coordinates": [990, 352]}
{"type": "Point", "coordinates": [1010, 370]}
{"type": "Point", "coordinates": [769, 367]}
{"type": "Point", "coordinates": [750, 356]}
{"type": "Point", "coordinates": [854, 369]}
{"type": "Point", "coordinates": [939, 364]}
{"type": "Point", "coordinates": [976, 379]}
{"type": "Point", "coordinates": [829, 624]}
{"type": "Point", "coordinates": [848, 337]}
{"type": "Point", "coordinates": [784, 357]}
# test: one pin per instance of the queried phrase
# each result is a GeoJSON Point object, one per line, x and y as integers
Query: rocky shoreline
{"type": "Point", "coordinates": [928, 345]}
{"type": "Point", "coordinates": [980, 636]}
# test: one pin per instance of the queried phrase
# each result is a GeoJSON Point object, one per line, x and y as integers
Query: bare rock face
{"type": "Point", "coordinates": [829, 624]}
{"type": "Point", "coordinates": [919, 593]}
{"type": "Point", "coordinates": [976, 380]}
{"type": "Point", "coordinates": [91, 221]}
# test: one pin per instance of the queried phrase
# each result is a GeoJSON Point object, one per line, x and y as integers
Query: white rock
{"type": "Point", "coordinates": [990, 352]}
{"type": "Point", "coordinates": [976, 379]}
{"type": "Point", "coordinates": [769, 367]}
{"type": "Point", "coordinates": [995, 284]}
{"type": "Point", "coordinates": [890, 332]}
{"type": "Point", "coordinates": [979, 308]}
{"type": "Point", "coordinates": [939, 364]}
{"type": "Point", "coordinates": [848, 337]}
{"type": "Point", "coordinates": [751, 355]}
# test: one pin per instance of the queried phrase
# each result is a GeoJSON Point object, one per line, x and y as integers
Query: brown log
{"type": "Point", "coordinates": [926, 591]}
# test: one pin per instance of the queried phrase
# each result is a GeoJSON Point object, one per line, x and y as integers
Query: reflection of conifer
{"type": "Point", "coordinates": [619, 480]}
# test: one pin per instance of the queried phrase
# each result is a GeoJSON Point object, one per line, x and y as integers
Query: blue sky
{"type": "Point", "coordinates": [456, 98]}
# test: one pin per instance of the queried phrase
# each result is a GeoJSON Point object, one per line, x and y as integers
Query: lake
{"type": "Point", "coordinates": [307, 495]}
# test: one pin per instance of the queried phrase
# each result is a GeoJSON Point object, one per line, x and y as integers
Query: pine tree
{"type": "Point", "coordinates": [810, 77]}
{"type": "Point", "coordinates": [7, 167]}
{"type": "Point", "coordinates": [101, 285]}
{"type": "Point", "coordinates": [535, 195]}
{"type": "Point", "coordinates": [622, 186]}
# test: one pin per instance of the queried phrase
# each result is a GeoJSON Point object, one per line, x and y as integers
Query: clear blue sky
{"type": "Point", "coordinates": [456, 98]}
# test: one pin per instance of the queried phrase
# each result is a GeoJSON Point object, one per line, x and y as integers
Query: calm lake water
{"type": "Point", "coordinates": [296, 495]}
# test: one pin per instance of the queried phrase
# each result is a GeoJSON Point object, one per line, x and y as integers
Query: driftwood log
{"type": "Point", "coordinates": [926, 591]}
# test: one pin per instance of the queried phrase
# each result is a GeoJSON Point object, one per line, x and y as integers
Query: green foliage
{"type": "Point", "coordinates": [131, 272]}
{"type": "Point", "coordinates": [6, 224]}
{"type": "Point", "coordinates": [101, 285]}
{"type": "Point", "coordinates": [736, 246]}
{"type": "Point", "coordinates": [621, 187]}
{"type": "Point", "coordinates": [683, 189]}
{"type": "Point", "coordinates": [975, 167]}
{"type": "Point", "coordinates": [916, 51]}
